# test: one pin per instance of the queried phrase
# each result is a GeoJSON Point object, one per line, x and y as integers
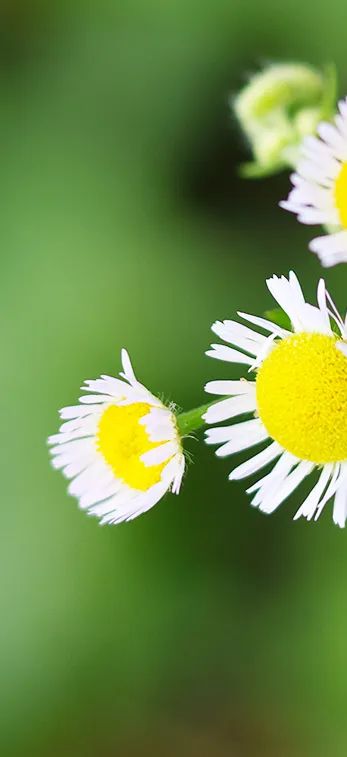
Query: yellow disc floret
{"type": "Point", "coordinates": [302, 397]}
{"type": "Point", "coordinates": [122, 440]}
{"type": "Point", "coordinates": [340, 192]}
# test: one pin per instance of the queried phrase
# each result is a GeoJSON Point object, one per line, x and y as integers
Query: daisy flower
{"type": "Point", "coordinates": [120, 447]}
{"type": "Point", "coordinates": [319, 195]}
{"type": "Point", "coordinates": [297, 401]}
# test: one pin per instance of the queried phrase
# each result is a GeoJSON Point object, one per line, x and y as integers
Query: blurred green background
{"type": "Point", "coordinates": [204, 627]}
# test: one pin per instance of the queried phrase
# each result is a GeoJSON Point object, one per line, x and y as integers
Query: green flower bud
{"type": "Point", "coordinates": [277, 108]}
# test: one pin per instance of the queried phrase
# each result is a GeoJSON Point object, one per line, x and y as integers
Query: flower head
{"type": "Point", "coordinates": [120, 447]}
{"type": "Point", "coordinates": [298, 400]}
{"type": "Point", "coordinates": [277, 108]}
{"type": "Point", "coordinates": [319, 195]}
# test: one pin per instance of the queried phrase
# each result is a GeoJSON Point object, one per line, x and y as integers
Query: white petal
{"type": "Point", "coordinates": [159, 454]}
{"type": "Point", "coordinates": [330, 248]}
{"type": "Point", "coordinates": [221, 352]}
{"type": "Point", "coordinates": [322, 304]}
{"type": "Point", "coordinates": [291, 482]}
{"type": "Point", "coordinates": [74, 450]}
{"type": "Point", "coordinates": [146, 501]}
{"type": "Point", "coordinates": [233, 388]}
{"type": "Point", "coordinates": [143, 501]}
{"type": "Point", "coordinates": [313, 320]}
{"type": "Point", "coordinates": [331, 136]}
{"type": "Point", "coordinates": [90, 399]}
{"type": "Point", "coordinates": [304, 317]}
{"type": "Point", "coordinates": [265, 324]}
{"type": "Point", "coordinates": [288, 294]}
{"type": "Point", "coordinates": [340, 502]}
{"type": "Point", "coordinates": [115, 509]}
{"type": "Point", "coordinates": [110, 386]}
{"type": "Point", "coordinates": [88, 429]}
{"type": "Point", "coordinates": [128, 371]}
{"type": "Point", "coordinates": [310, 504]}
{"type": "Point", "coordinates": [160, 425]}
{"type": "Point", "coordinates": [332, 488]}
{"type": "Point", "coordinates": [342, 346]}
{"type": "Point", "coordinates": [256, 462]}
{"type": "Point", "coordinates": [83, 425]}
{"type": "Point", "coordinates": [230, 408]}
{"type": "Point", "coordinates": [237, 437]}
{"type": "Point", "coordinates": [90, 477]}
{"type": "Point", "coordinates": [73, 464]}
{"type": "Point", "coordinates": [278, 472]}
{"type": "Point", "coordinates": [267, 486]}
{"type": "Point", "coordinates": [77, 411]}
{"type": "Point", "coordinates": [103, 490]}
{"type": "Point", "coordinates": [237, 334]}
{"type": "Point", "coordinates": [176, 484]}
{"type": "Point", "coordinates": [74, 468]}
{"type": "Point", "coordinates": [232, 329]}
{"type": "Point", "coordinates": [334, 313]}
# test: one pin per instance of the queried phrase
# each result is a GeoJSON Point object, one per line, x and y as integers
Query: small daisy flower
{"type": "Point", "coordinates": [319, 195]}
{"type": "Point", "coordinates": [120, 447]}
{"type": "Point", "coordinates": [297, 401]}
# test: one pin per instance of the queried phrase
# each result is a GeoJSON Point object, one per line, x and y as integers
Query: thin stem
{"type": "Point", "coordinates": [192, 420]}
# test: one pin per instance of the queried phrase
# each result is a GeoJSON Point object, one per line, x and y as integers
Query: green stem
{"type": "Point", "coordinates": [192, 420]}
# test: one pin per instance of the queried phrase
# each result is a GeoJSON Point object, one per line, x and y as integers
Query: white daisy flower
{"type": "Point", "coordinates": [297, 401]}
{"type": "Point", "coordinates": [319, 195]}
{"type": "Point", "coordinates": [120, 447]}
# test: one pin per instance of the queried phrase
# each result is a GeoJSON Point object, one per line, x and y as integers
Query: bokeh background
{"type": "Point", "coordinates": [204, 627]}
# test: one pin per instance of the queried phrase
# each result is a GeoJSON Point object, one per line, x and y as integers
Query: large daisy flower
{"type": "Point", "coordinates": [120, 447]}
{"type": "Point", "coordinates": [297, 401]}
{"type": "Point", "coordinates": [319, 195]}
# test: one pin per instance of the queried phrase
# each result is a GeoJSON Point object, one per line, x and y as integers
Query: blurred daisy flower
{"type": "Point", "coordinates": [298, 400]}
{"type": "Point", "coordinates": [319, 195]}
{"type": "Point", "coordinates": [120, 446]}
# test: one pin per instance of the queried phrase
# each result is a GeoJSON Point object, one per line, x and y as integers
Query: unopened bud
{"type": "Point", "coordinates": [277, 108]}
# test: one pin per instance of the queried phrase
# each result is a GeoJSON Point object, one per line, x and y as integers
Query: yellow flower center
{"type": "Point", "coordinates": [340, 192]}
{"type": "Point", "coordinates": [122, 440]}
{"type": "Point", "coordinates": [302, 397]}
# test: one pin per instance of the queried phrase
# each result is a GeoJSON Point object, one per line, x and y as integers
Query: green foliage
{"type": "Point", "coordinates": [278, 316]}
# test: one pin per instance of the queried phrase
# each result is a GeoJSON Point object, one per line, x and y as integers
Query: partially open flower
{"type": "Point", "coordinates": [297, 401]}
{"type": "Point", "coordinates": [277, 108]}
{"type": "Point", "coordinates": [120, 446]}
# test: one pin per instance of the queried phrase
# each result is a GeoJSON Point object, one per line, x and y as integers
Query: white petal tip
{"type": "Point", "coordinates": [339, 524]}
{"type": "Point", "coordinates": [127, 366]}
{"type": "Point", "coordinates": [207, 387]}
{"type": "Point", "coordinates": [208, 440]}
